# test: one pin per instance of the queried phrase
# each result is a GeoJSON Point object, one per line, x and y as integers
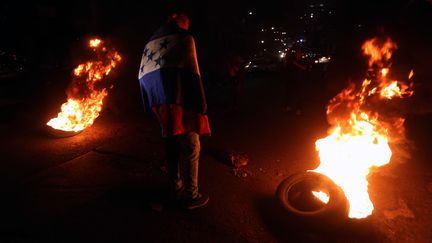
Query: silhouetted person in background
{"type": "Point", "coordinates": [236, 75]}
{"type": "Point", "coordinates": [295, 84]}
{"type": "Point", "coordinates": [170, 78]}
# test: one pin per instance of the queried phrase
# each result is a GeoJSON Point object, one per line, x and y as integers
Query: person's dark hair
{"type": "Point", "coordinates": [174, 16]}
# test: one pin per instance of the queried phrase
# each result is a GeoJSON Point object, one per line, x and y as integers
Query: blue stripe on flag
{"type": "Point", "coordinates": [174, 86]}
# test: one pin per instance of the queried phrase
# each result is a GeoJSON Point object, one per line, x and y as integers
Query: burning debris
{"type": "Point", "coordinates": [238, 159]}
{"type": "Point", "coordinates": [86, 92]}
{"type": "Point", "coordinates": [230, 158]}
{"type": "Point", "coordinates": [241, 172]}
{"type": "Point", "coordinates": [362, 126]}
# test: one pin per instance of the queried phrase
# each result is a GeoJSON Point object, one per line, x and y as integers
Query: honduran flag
{"type": "Point", "coordinates": [171, 83]}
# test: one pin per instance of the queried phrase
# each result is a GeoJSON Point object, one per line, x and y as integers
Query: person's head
{"type": "Point", "coordinates": [179, 18]}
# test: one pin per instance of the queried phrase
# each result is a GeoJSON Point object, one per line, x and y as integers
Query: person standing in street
{"type": "Point", "coordinates": [236, 76]}
{"type": "Point", "coordinates": [171, 85]}
{"type": "Point", "coordinates": [295, 84]}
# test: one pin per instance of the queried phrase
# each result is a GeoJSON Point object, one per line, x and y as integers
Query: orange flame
{"type": "Point", "coordinates": [359, 137]}
{"type": "Point", "coordinates": [378, 52]}
{"type": "Point", "coordinates": [85, 100]}
{"type": "Point", "coordinates": [395, 89]}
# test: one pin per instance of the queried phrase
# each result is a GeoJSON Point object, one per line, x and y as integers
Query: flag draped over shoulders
{"type": "Point", "coordinates": [170, 79]}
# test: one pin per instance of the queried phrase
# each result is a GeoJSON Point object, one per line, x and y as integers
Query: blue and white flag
{"type": "Point", "coordinates": [169, 72]}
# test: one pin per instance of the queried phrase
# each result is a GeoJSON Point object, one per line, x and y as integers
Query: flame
{"type": "Point", "coordinates": [377, 51]}
{"type": "Point", "coordinates": [358, 140]}
{"type": "Point", "coordinates": [396, 90]}
{"type": "Point", "coordinates": [411, 74]}
{"type": "Point", "coordinates": [84, 99]}
{"type": "Point", "coordinates": [322, 196]}
{"type": "Point", "coordinates": [95, 42]}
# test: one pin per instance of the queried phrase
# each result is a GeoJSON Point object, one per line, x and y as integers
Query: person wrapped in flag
{"type": "Point", "coordinates": [171, 85]}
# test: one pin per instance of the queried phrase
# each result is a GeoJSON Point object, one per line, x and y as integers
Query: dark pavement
{"type": "Point", "coordinates": [109, 183]}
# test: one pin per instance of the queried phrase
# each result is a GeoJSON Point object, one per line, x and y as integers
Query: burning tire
{"type": "Point", "coordinates": [296, 195]}
{"type": "Point", "coordinates": [60, 133]}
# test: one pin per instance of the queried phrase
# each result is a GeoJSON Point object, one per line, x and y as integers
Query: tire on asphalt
{"type": "Point", "coordinates": [332, 213]}
{"type": "Point", "coordinates": [55, 133]}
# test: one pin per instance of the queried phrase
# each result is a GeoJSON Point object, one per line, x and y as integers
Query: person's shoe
{"type": "Point", "coordinates": [179, 194]}
{"type": "Point", "coordinates": [197, 202]}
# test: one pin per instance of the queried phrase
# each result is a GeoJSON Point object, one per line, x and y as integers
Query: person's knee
{"type": "Point", "coordinates": [191, 145]}
{"type": "Point", "coordinates": [194, 146]}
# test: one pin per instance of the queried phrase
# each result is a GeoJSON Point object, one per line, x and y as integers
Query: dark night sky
{"type": "Point", "coordinates": [33, 28]}
{"type": "Point", "coordinates": [18, 17]}
{"type": "Point", "coordinates": [98, 15]}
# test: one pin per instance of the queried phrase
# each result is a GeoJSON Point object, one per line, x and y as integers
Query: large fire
{"type": "Point", "coordinates": [86, 93]}
{"type": "Point", "coordinates": [361, 129]}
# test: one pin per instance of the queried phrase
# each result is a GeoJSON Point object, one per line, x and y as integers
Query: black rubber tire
{"type": "Point", "coordinates": [55, 133]}
{"type": "Point", "coordinates": [336, 208]}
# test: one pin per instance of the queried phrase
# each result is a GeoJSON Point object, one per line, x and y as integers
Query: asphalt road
{"type": "Point", "coordinates": [109, 183]}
